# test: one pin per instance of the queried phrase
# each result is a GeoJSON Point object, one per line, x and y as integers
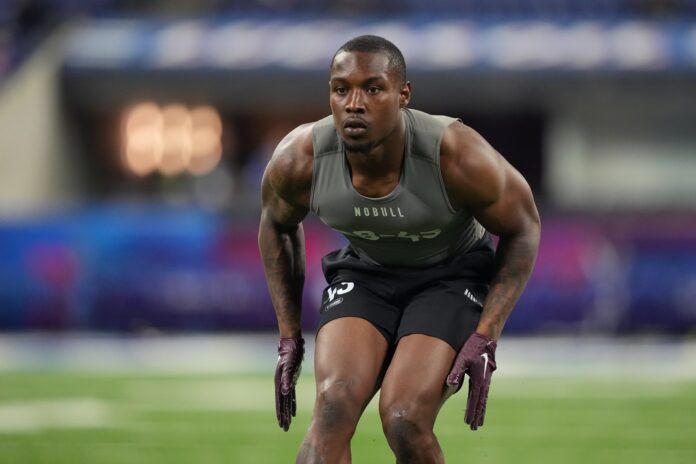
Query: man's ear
{"type": "Point", "coordinates": [405, 94]}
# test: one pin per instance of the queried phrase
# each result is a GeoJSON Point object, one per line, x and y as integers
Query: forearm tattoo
{"type": "Point", "coordinates": [284, 264]}
{"type": "Point", "coordinates": [515, 259]}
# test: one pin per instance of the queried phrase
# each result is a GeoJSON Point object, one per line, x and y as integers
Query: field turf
{"type": "Point", "coordinates": [68, 418]}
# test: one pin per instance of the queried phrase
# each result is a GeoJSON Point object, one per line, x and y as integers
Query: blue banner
{"type": "Point", "coordinates": [429, 45]}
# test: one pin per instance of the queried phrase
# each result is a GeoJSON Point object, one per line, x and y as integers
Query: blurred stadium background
{"type": "Point", "coordinates": [135, 323]}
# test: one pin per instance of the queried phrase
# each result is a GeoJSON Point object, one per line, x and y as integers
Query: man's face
{"type": "Point", "coordinates": [366, 99]}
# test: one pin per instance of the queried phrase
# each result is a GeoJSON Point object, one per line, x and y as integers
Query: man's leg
{"type": "Point", "coordinates": [412, 393]}
{"type": "Point", "coordinates": [348, 359]}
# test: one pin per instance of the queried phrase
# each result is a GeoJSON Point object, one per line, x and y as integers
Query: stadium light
{"type": "Point", "coordinates": [171, 139]}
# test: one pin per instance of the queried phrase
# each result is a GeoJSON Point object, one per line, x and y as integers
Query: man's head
{"type": "Point", "coordinates": [368, 89]}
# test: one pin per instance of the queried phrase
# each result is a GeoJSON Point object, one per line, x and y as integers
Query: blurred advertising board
{"type": "Point", "coordinates": [131, 269]}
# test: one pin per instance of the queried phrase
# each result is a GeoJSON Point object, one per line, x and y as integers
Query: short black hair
{"type": "Point", "coordinates": [377, 44]}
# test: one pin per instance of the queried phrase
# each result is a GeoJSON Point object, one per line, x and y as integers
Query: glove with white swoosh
{"type": "Point", "coordinates": [290, 354]}
{"type": "Point", "coordinates": [477, 359]}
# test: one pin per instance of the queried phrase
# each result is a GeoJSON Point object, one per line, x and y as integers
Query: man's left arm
{"type": "Point", "coordinates": [479, 179]}
{"type": "Point", "coordinates": [513, 217]}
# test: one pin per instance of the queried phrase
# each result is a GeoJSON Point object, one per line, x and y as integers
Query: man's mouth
{"type": "Point", "coordinates": [355, 127]}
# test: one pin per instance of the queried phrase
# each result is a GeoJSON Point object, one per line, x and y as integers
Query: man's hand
{"type": "Point", "coordinates": [476, 358]}
{"type": "Point", "coordinates": [290, 354]}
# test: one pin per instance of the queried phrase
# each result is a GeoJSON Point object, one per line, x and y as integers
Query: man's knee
{"type": "Point", "coordinates": [408, 428]}
{"type": "Point", "coordinates": [336, 412]}
{"type": "Point", "coordinates": [339, 404]}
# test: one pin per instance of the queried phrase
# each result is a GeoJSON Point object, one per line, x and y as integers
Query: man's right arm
{"type": "Point", "coordinates": [285, 194]}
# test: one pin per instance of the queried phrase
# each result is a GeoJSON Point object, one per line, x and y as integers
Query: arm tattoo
{"type": "Point", "coordinates": [284, 263]}
{"type": "Point", "coordinates": [515, 258]}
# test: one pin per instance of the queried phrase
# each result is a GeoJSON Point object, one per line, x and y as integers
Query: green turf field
{"type": "Point", "coordinates": [150, 419]}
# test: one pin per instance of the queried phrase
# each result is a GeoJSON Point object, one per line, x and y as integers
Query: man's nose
{"type": "Point", "coordinates": [356, 103]}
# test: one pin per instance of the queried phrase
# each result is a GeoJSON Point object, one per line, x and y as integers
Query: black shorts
{"type": "Point", "coordinates": [443, 301]}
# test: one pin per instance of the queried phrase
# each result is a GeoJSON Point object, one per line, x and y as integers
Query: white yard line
{"type": "Point", "coordinates": [37, 415]}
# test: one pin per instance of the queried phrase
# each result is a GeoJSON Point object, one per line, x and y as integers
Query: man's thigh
{"type": "Point", "coordinates": [353, 296]}
{"type": "Point", "coordinates": [415, 380]}
{"type": "Point", "coordinates": [349, 355]}
{"type": "Point", "coordinates": [448, 310]}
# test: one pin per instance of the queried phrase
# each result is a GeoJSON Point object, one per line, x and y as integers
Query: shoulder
{"type": "Point", "coordinates": [427, 126]}
{"type": "Point", "coordinates": [472, 170]}
{"type": "Point", "coordinates": [289, 171]}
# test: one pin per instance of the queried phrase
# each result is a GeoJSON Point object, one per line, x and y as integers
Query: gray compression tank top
{"type": "Point", "coordinates": [415, 225]}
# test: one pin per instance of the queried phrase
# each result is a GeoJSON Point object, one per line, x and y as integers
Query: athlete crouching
{"type": "Point", "coordinates": [419, 297]}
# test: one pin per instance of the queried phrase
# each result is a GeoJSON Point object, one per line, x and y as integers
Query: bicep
{"type": "Point", "coordinates": [278, 208]}
{"type": "Point", "coordinates": [287, 181]}
{"type": "Point", "coordinates": [512, 211]}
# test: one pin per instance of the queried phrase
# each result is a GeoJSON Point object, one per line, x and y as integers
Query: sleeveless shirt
{"type": "Point", "coordinates": [413, 226]}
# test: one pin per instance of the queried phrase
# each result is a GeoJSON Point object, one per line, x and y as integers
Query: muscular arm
{"type": "Point", "coordinates": [285, 202]}
{"type": "Point", "coordinates": [480, 179]}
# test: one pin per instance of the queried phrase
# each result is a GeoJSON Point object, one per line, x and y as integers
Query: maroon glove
{"type": "Point", "coordinates": [290, 354]}
{"type": "Point", "coordinates": [476, 358]}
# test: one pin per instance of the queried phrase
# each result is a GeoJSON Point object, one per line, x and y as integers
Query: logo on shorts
{"type": "Point", "coordinates": [332, 304]}
{"type": "Point", "coordinates": [333, 291]}
{"type": "Point", "coordinates": [340, 289]}
{"type": "Point", "coordinates": [471, 296]}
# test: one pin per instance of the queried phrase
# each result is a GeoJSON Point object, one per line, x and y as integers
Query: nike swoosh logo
{"type": "Point", "coordinates": [485, 364]}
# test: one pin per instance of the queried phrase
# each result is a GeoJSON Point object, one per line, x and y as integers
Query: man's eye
{"type": "Point", "coordinates": [373, 90]}
{"type": "Point", "coordinates": [340, 90]}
